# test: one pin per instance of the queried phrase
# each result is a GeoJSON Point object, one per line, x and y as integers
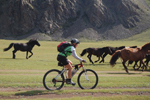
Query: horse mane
{"type": "Point", "coordinates": [99, 48]}
{"type": "Point", "coordinates": [31, 40]}
{"type": "Point", "coordinates": [145, 46]}
{"type": "Point", "coordinates": [84, 52]}
{"type": "Point", "coordinates": [105, 48]}
{"type": "Point", "coordinates": [116, 48]}
{"type": "Point", "coordinates": [121, 47]}
{"type": "Point", "coordinates": [132, 46]}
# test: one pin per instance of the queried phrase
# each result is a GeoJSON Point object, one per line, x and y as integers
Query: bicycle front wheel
{"type": "Point", "coordinates": [52, 80]}
{"type": "Point", "coordinates": [87, 79]}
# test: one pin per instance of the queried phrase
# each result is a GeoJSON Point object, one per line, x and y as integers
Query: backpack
{"type": "Point", "coordinates": [61, 47]}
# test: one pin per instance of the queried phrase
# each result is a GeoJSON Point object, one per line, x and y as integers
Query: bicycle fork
{"type": "Point", "coordinates": [85, 73]}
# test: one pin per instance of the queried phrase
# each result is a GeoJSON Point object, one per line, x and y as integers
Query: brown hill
{"type": "Point", "coordinates": [64, 19]}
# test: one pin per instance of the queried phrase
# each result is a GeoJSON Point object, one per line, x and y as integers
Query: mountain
{"type": "Point", "coordinates": [64, 19]}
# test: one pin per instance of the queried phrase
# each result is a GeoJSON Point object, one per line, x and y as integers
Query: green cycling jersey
{"type": "Point", "coordinates": [67, 52]}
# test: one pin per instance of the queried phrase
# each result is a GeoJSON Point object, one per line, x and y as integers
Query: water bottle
{"type": "Point", "coordinates": [74, 71]}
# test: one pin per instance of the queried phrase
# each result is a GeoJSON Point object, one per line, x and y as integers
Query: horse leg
{"type": "Point", "coordinates": [147, 64]}
{"type": "Point", "coordinates": [14, 56]}
{"type": "Point", "coordinates": [31, 54]}
{"type": "Point", "coordinates": [144, 65]}
{"type": "Point", "coordinates": [138, 66]}
{"type": "Point", "coordinates": [130, 62]}
{"type": "Point", "coordinates": [27, 55]}
{"type": "Point", "coordinates": [147, 61]}
{"type": "Point", "coordinates": [135, 65]}
{"type": "Point", "coordinates": [103, 58]}
{"type": "Point", "coordinates": [141, 62]}
{"type": "Point", "coordinates": [89, 56]}
{"type": "Point", "coordinates": [125, 67]}
{"type": "Point", "coordinates": [98, 59]}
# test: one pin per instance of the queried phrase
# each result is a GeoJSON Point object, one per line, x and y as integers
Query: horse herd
{"type": "Point", "coordinates": [129, 54]}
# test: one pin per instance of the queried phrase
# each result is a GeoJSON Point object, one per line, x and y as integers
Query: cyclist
{"type": "Point", "coordinates": [62, 57]}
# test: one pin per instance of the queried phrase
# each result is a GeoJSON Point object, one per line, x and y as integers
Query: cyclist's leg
{"type": "Point", "coordinates": [67, 63]}
{"type": "Point", "coordinates": [70, 62]}
{"type": "Point", "coordinates": [69, 67]}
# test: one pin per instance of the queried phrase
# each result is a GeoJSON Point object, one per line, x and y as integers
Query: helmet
{"type": "Point", "coordinates": [74, 40]}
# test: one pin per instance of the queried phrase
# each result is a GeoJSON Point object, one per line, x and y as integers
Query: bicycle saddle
{"type": "Point", "coordinates": [60, 64]}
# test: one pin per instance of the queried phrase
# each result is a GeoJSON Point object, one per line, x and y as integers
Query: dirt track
{"type": "Point", "coordinates": [39, 94]}
{"type": "Point", "coordinates": [21, 93]}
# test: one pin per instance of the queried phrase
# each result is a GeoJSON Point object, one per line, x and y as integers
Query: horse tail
{"type": "Point", "coordinates": [6, 49]}
{"type": "Point", "coordinates": [114, 57]}
{"type": "Point", "coordinates": [83, 52]}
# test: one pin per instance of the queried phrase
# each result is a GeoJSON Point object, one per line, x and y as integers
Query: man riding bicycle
{"type": "Point", "coordinates": [62, 57]}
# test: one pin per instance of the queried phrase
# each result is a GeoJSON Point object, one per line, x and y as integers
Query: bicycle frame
{"type": "Point", "coordinates": [57, 78]}
{"type": "Point", "coordinates": [65, 70]}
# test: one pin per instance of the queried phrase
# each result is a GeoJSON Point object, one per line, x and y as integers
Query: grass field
{"type": "Point", "coordinates": [21, 78]}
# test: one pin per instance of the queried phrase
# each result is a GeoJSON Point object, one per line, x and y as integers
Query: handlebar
{"type": "Point", "coordinates": [83, 61]}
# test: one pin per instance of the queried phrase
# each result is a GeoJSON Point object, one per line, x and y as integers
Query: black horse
{"type": "Point", "coordinates": [23, 47]}
{"type": "Point", "coordinates": [147, 59]}
{"type": "Point", "coordinates": [95, 51]}
{"type": "Point", "coordinates": [112, 49]}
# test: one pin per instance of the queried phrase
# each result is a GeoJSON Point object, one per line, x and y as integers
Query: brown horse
{"type": "Point", "coordinates": [95, 51]}
{"type": "Point", "coordinates": [131, 54]}
{"type": "Point", "coordinates": [147, 57]}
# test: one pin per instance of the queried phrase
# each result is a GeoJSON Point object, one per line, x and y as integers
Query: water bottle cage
{"type": "Point", "coordinates": [76, 67]}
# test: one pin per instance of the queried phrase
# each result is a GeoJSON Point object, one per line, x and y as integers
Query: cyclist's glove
{"type": "Point", "coordinates": [83, 60]}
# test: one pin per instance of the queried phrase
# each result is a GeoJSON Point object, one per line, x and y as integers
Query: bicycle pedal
{"type": "Point", "coordinates": [73, 84]}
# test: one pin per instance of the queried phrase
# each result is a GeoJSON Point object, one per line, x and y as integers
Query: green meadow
{"type": "Point", "coordinates": [22, 73]}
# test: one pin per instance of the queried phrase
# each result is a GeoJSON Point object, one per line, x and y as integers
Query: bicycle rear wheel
{"type": "Point", "coordinates": [88, 79]}
{"type": "Point", "coordinates": [50, 81]}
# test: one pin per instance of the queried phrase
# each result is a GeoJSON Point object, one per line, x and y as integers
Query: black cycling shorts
{"type": "Point", "coordinates": [62, 60]}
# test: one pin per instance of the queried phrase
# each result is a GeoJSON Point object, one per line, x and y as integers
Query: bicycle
{"type": "Point", "coordinates": [54, 79]}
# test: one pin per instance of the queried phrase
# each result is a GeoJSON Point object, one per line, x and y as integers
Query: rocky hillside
{"type": "Point", "coordinates": [58, 19]}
